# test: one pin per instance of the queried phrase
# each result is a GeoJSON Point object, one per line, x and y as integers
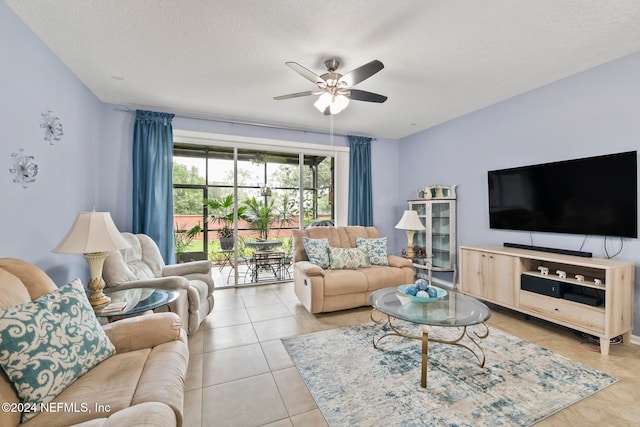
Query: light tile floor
{"type": "Point", "coordinates": [240, 374]}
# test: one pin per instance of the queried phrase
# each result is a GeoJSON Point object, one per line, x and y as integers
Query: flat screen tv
{"type": "Point", "coordinates": [592, 196]}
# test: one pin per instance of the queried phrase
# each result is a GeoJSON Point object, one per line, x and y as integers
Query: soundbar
{"type": "Point", "coordinates": [551, 250]}
{"type": "Point", "coordinates": [544, 286]}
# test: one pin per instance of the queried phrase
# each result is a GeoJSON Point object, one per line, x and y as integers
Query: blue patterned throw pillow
{"type": "Point", "coordinates": [47, 343]}
{"type": "Point", "coordinates": [348, 258]}
{"type": "Point", "coordinates": [376, 249]}
{"type": "Point", "coordinates": [317, 251]}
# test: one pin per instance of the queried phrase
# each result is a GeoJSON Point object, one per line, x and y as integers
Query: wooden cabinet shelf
{"type": "Point", "coordinates": [494, 274]}
{"type": "Point", "coordinates": [586, 283]}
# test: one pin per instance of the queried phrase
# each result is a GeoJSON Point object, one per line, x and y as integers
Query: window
{"type": "Point", "coordinates": [268, 182]}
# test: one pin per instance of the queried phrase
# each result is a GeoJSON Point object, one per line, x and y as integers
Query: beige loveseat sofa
{"type": "Point", "coordinates": [323, 290]}
{"type": "Point", "coordinates": [141, 384]}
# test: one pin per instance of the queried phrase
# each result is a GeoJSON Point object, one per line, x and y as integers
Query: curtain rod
{"type": "Point", "coordinates": [237, 122]}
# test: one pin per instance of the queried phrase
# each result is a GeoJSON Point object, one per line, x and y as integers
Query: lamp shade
{"type": "Point", "coordinates": [92, 232]}
{"type": "Point", "coordinates": [410, 221]}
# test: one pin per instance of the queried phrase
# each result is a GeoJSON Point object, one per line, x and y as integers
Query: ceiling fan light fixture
{"type": "Point", "coordinates": [335, 104]}
{"type": "Point", "coordinates": [323, 102]}
{"type": "Point", "coordinates": [335, 89]}
{"type": "Point", "coordinates": [339, 103]}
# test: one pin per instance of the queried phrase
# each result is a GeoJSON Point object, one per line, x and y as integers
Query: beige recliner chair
{"type": "Point", "coordinates": [142, 266]}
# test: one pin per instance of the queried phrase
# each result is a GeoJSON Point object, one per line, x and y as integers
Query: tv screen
{"type": "Point", "coordinates": [592, 196]}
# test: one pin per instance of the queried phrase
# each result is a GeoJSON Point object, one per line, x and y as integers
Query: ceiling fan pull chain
{"type": "Point", "coordinates": [331, 129]}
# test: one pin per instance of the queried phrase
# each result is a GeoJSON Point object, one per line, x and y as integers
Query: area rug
{"type": "Point", "coordinates": [354, 384]}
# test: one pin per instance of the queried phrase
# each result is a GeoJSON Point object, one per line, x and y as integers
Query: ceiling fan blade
{"type": "Point", "coordinates": [363, 95]}
{"type": "Point", "coordinates": [361, 73]}
{"type": "Point", "coordinates": [307, 74]}
{"type": "Point", "coordinates": [294, 95]}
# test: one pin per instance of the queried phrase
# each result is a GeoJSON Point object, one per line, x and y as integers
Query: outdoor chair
{"type": "Point", "coordinates": [270, 261]}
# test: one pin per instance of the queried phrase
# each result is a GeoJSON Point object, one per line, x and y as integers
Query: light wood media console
{"type": "Point", "coordinates": [493, 274]}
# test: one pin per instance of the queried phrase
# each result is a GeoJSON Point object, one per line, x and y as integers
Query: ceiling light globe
{"type": "Point", "coordinates": [340, 103]}
{"type": "Point", "coordinates": [323, 102]}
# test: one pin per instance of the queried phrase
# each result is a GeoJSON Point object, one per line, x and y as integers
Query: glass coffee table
{"type": "Point", "coordinates": [452, 310]}
{"type": "Point", "coordinates": [129, 302]}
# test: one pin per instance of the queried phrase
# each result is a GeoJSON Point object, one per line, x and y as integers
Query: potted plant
{"type": "Point", "coordinates": [221, 212]}
{"type": "Point", "coordinates": [183, 239]}
{"type": "Point", "coordinates": [286, 212]}
{"type": "Point", "coordinates": [260, 215]}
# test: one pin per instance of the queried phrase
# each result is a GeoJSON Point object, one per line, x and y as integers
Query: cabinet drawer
{"type": "Point", "coordinates": [567, 312]}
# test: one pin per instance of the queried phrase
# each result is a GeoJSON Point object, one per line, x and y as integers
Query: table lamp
{"type": "Point", "coordinates": [95, 235]}
{"type": "Point", "coordinates": [411, 223]}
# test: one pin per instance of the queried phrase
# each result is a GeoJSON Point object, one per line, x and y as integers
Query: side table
{"type": "Point", "coordinates": [138, 300]}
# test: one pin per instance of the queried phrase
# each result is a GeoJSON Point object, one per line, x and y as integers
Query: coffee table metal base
{"type": "Point", "coordinates": [473, 336]}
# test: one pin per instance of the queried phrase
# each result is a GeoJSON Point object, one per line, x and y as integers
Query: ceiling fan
{"type": "Point", "coordinates": [335, 89]}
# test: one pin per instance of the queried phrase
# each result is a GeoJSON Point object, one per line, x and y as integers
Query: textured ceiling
{"type": "Point", "coordinates": [225, 58]}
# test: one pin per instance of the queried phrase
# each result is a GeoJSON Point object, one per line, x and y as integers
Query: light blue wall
{"type": "Point", "coordinates": [35, 219]}
{"type": "Point", "coordinates": [595, 112]}
{"type": "Point", "coordinates": [116, 165]}
{"type": "Point", "coordinates": [387, 200]}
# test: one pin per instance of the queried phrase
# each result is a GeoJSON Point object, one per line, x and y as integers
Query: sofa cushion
{"type": "Point", "coordinates": [139, 332]}
{"type": "Point", "coordinates": [201, 287]}
{"type": "Point", "coordinates": [348, 258]}
{"type": "Point", "coordinates": [106, 389]}
{"type": "Point", "coordinates": [35, 280]}
{"type": "Point", "coordinates": [163, 377]}
{"type": "Point", "coordinates": [47, 343]}
{"type": "Point", "coordinates": [383, 277]}
{"type": "Point", "coordinates": [13, 292]}
{"type": "Point", "coordinates": [354, 231]}
{"type": "Point", "coordinates": [344, 282]}
{"type": "Point", "coordinates": [376, 249]}
{"type": "Point", "coordinates": [317, 251]}
{"type": "Point", "coordinates": [332, 234]}
{"type": "Point", "coordinates": [338, 237]}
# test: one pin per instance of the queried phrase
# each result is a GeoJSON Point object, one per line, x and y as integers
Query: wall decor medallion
{"type": "Point", "coordinates": [24, 169]}
{"type": "Point", "coordinates": [52, 127]}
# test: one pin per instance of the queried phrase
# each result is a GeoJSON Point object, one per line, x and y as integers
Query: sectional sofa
{"type": "Point", "coordinates": [60, 367]}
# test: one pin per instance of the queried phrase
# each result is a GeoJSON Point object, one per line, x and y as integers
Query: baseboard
{"type": "Point", "coordinates": [635, 339]}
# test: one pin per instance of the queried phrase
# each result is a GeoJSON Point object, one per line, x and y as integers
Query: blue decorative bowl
{"type": "Point", "coordinates": [440, 294]}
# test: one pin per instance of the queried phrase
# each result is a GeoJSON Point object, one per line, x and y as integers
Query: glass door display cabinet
{"type": "Point", "coordinates": [435, 246]}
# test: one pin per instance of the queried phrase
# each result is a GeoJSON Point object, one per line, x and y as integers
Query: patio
{"type": "Point", "coordinates": [260, 269]}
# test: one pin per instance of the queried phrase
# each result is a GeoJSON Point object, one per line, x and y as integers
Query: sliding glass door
{"type": "Point", "coordinates": [247, 202]}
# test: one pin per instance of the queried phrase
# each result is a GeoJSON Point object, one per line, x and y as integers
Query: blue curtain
{"type": "Point", "coordinates": [152, 180]}
{"type": "Point", "coordinates": [360, 192]}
